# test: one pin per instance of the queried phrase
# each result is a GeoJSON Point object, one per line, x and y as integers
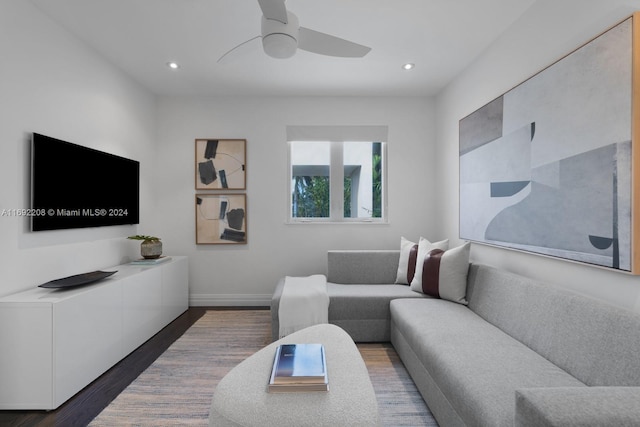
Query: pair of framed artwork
{"type": "Point", "coordinates": [221, 211]}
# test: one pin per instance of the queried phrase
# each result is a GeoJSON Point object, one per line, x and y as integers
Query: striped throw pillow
{"type": "Point", "coordinates": [443, 273]}
{"type": "Point", "coordinates": [409, 253]}
{"type": "Point", "coordinates": [424, 246]}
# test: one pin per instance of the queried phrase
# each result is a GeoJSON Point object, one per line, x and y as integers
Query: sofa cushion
{"type": "Point", "coordinates": [363, 310]}
{"type": "Point", "coordinates": [476, 366]}
{"type": "Point", "coordinates": [364, 301]}
{"type": "Point", "coordinates": [578, 406]}
{"type": "Point", "coordinates": [593, 341]}
{"type": "Point", "coordinates": [370, 266]}
{"type": "Point", "coordinates": [443, 274]}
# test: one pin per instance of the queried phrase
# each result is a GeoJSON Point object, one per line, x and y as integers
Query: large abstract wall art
{"type": "Point", "coordinates": [548, 166]}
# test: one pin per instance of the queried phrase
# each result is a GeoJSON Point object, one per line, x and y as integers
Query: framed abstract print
{"type": "Point", "coordinates": [221, 219]}
{"type": "Point", "coordinates": [220, 164]}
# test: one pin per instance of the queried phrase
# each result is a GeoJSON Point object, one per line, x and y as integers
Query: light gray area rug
{"type": "Point", "coordinates": [176, 390]}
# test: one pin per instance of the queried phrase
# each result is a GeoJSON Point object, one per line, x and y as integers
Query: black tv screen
{"type": "Point", "coordinates": [75, 187]}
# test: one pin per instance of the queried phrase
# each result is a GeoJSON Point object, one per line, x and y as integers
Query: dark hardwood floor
{"type": "Point", "coordinates": [90, 401]}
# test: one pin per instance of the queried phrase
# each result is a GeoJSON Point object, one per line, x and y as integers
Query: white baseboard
{"type": "Point", "coordinates": [230, 300]}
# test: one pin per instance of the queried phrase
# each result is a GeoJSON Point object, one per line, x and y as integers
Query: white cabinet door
{"type": "Point", "coordinates": [87, 337]}
{"type": "Point", "coordinates": [175, 289]}
{"type": "Point", "coordinates": [26, 368]}
{"type": "Point", "coordinates": [142, 304]}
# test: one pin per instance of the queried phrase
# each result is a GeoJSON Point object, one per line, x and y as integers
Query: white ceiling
{"type": "Point", "coordinates": [441, 37]}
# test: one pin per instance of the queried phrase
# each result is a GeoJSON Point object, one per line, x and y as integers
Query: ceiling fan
{"type": "Point", "coordinates": [282, 36]}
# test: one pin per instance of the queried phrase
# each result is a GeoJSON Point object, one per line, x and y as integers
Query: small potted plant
{"type": "Point", "coordinates": [151, 246]}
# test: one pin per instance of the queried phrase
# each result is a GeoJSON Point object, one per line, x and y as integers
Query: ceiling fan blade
{"type": "Point", "coordinates": [274, 9]}
{"type": "Point", "coordinates": [324, 44]}
{"type": "Point", "coordinates": [243, 47]}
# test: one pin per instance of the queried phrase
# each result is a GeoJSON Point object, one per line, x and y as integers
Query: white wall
{"type": "Point", "coordinates": [549, 30]}
{"type": "Point", "coordinates": [52, 84]}
{"type": "Point", "coordinates": [247, 274]}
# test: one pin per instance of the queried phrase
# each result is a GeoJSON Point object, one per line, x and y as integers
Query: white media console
{"type": "Point", "coordinates": [54, 342]}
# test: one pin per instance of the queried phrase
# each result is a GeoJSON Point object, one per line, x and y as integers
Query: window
{"type": "Point", "coordinates": [310, 179]}
{"type": "Point", "coordinates": [336, 180]}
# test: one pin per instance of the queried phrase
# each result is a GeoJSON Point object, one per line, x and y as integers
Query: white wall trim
{"type": "Point", "coordinates": [229, 300]}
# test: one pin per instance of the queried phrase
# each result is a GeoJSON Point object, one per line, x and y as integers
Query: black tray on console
{"type": "Point", "coordinates": [78, 279]}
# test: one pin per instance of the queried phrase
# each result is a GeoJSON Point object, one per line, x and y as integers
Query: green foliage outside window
{"type": "Point", "coordinates": [310, 197]}
{"type": "Point", "coordinates": [376, 209]}
{"type": "Point", "coordinates": [347, 197]}
{"type": "Point", "coordinates": [377, 181]}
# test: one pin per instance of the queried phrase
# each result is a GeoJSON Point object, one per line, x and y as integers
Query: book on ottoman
{"type": "Point", "coordinates": [299, 367]}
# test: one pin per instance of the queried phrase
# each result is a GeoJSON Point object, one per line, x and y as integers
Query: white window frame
{"type": "Point", "coordinates": [337, 136]}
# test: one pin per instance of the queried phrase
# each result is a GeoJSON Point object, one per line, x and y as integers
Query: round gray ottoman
{"type": "Point", "coordinates": [241, 397]}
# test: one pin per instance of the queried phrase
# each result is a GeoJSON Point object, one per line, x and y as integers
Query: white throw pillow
{"type": "Point", "coordinates": [442, 274]}
{"type": "Point", "coordinates": [407, 264]}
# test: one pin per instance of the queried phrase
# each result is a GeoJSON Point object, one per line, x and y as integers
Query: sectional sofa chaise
{"type": "Point", "coordinates": [513, 351]}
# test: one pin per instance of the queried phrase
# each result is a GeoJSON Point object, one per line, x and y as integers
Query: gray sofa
{"type": "Point", "coordinates": [520, 353]}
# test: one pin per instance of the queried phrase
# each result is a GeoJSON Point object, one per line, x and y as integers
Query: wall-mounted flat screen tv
{"type": "Point", "coordinates": [76, 187]}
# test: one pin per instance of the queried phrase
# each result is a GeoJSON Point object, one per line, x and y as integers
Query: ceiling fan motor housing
{"type": "Point", "coordinates": [280, 40]}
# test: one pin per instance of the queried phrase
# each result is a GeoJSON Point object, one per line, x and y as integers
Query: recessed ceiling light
{"type": "Point", "coordinates": [173, 65]}
{"type": "Point", "coordinates": [408, 66]}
